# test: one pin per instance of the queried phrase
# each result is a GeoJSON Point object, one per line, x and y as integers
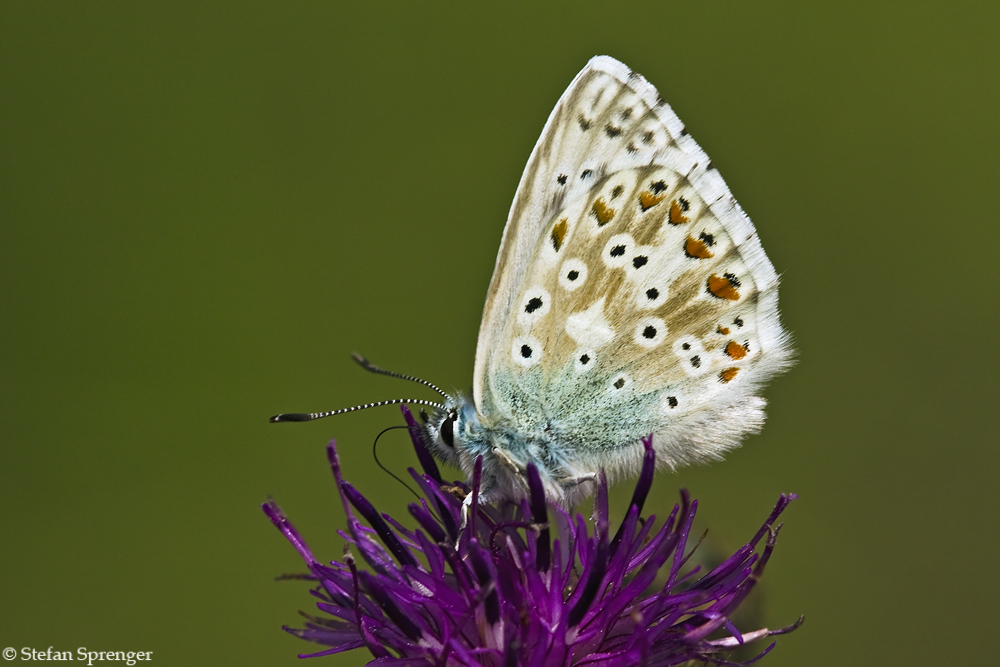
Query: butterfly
{"type": "Point", "coordinates": [631, 296]}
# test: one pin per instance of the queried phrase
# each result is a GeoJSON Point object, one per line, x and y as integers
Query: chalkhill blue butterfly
{"type": "Point", "coordinates": [631, 296]}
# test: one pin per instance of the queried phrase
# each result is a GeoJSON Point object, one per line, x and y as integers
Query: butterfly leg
{"type": "Point", "coordinates": [518, 471]}
{"type": "Point", "coordinates": [504, 458]}
{"type": "Point", "coordinates": [466, 505]}
{"type": "Point", "coordinates": [568, 483]}
{"type": "Point", "coordinates": [485, 495]}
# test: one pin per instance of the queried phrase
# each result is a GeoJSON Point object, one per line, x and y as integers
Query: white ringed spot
{"type": "Point", "coordinates": [583, 360]}
{"type": "Point", "coordinates": [526, 351]}
{"type": "Point", "coordinates": [572, 274]}
{"type": "Point", "coordinates": [638, 259]}
{"type": "Point", "coordinates": [650, 332]}
{"type": "Point", "coordinates": [534, 305]}
{"type": "Point", "coordinates": [651, 296]}
{"type": "Point", "coordinates": [618, 251]}
{"type": "Point", "coordinates": [691, 355]}
{"type": "Point", "coordinates": [671, 401]}
{"type": "Point", "coordinates": [620, 382]}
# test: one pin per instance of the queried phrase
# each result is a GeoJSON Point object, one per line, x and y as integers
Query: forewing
{"type": "Point", "coordinates": [631, 294]}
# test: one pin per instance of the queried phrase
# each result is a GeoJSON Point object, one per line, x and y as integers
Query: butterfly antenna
{"type": "Point", "coordinates": [391, 474]}
{"type": "Point", "coordinates": [308, 417]}
{"type": "Point", "coordinates": [372, 368]}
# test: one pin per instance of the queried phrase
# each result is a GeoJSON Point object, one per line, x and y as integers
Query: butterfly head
{"type": "Point", "coordinates": [450, 431]}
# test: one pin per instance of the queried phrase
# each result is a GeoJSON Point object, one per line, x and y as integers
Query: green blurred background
{"type": "Point", "coordinates": [204, 208]}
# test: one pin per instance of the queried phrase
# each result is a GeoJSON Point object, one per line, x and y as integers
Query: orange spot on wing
{"type": "Point", "coordinates": [648, 200]}
{"type": "Point", "coordinates": [559, 231]}
{"type": "Point", "coordinates": [723, 287]}
{"type": "Point", "coordinates": [677, 216]}
{"type": "Point", "coordinates": [722, 330]}
{"type": "Point", "coordinates": [735, 350]}
{"type": "Point", "coordinates": [601, 211]}
{"type": "Point", "coordinates": [728, 374]}
{"type": "Point", "coordinates": [697, 248]}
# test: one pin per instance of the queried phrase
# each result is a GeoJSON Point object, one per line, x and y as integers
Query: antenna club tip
{"type": "Point", "coordinates": [291, 417]}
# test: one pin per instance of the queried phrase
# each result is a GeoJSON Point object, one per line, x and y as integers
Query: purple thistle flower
{"type": "Point", "coordinates": [498, 590]}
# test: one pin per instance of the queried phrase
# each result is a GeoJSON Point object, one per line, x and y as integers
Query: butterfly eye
{"type": "Point", "coordinates": [447, 431]}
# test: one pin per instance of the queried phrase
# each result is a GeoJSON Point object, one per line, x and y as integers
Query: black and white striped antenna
{"type": "Point", "coordinates": [372, 368]}
{"type": "Point", "coordinates": [368, 366]}
{"type": "Point", "coordinates": [309, 416]}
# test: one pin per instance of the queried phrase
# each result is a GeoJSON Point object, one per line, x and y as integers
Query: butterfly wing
{"type": "Point", "coordinates": [631, 294]}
